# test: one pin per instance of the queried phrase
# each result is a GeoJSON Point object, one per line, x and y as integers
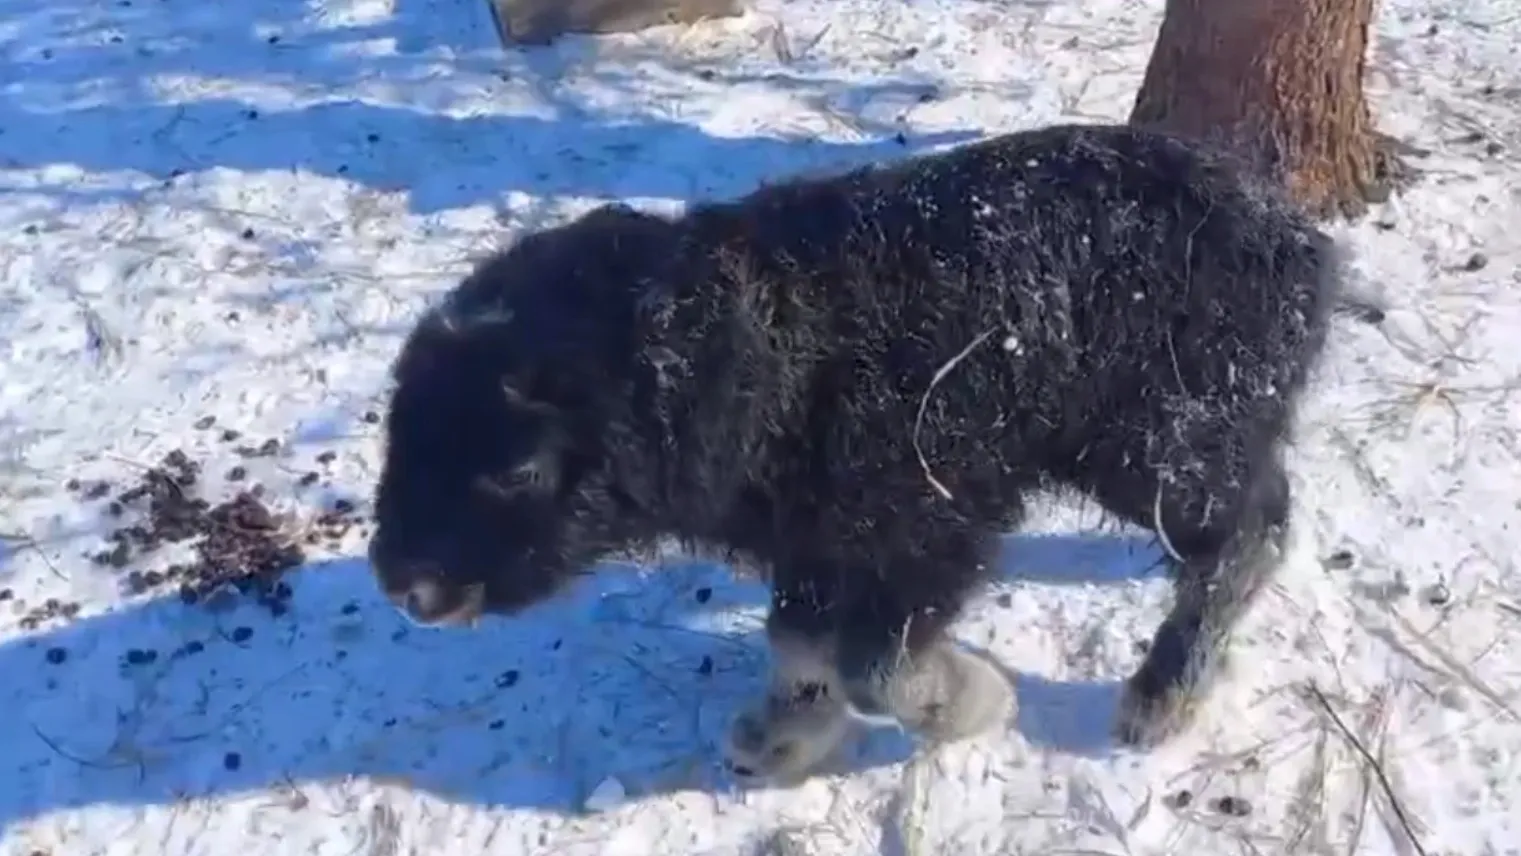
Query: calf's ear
{"type": "Point", "coordinates": [543, 470]}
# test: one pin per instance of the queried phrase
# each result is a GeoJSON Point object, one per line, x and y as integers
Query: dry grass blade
{"type": "Point", "coordinates": [383, 831]}
{"type": "Point", "coordinates": [1402, 817]}
{"type": "Point", "coordinates": [912, 807]}
{"type": "Point", "coordinates": [1454, 667]}
{"type": "Point", "coordinates": [83, 762]}
{"type": "Point", "coordinates": [1308, 807]}
{"type": "Point", "coordinates": [27, 542]}
{"type": "Point", "coordinates": [1375, 719]}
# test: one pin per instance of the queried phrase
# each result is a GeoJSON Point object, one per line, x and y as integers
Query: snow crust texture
{"type": "Point", "coordinates": [218, 221]}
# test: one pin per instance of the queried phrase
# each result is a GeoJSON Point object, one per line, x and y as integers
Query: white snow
{"type": "Point", "coordinates": [373, 152]}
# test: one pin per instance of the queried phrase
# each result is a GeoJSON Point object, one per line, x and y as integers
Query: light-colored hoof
{"type": "Point", "coordinates": [950, 695]}
{"type": "Point", "coordinates": [782, 740]}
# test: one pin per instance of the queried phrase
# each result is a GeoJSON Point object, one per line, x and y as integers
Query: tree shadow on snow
{"type": "Point", "coordinates": [469, 160]}
{"type": "Point", "coordinates": [635, 675]}
{"type": "Point", "coordinates": [374, 102]}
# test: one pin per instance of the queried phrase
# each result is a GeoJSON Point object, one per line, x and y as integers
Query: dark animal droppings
{"type": "Point", "coordinates": [1233, 806]}
{"type": "Point", "coordinates": [1340, 560]}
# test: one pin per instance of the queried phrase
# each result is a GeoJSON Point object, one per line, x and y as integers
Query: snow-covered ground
{"type": "Point", "coordinates": [234, 209]}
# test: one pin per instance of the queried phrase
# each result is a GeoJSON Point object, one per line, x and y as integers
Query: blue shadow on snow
{"type": "Point", "coordinates": [469, 160]}
{"type": "Point", "coordinates": [635, 675]}
{"type": "Point", "coordinates": [113, 117]}
{"type": "Point", "coordinates": [612, 680]}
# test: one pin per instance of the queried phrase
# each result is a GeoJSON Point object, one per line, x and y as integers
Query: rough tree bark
{"type": "Point", "coordinates": [1281, 82]}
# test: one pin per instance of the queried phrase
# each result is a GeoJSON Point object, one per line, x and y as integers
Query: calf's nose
{"type": "Point", "coordinates": [430, 600]}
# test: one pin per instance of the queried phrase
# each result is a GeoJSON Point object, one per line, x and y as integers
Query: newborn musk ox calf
{"type": "Point", "coordinates": [854, 384]}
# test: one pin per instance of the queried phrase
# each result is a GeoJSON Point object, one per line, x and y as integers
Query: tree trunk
{"type": "Point", "coordinates": [1281, 83]}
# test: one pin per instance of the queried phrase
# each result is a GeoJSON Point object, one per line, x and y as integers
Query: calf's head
{"type": "Point", "coordinates": [469, 507]}
{"type": "Point", "coordinates": [495, 489]}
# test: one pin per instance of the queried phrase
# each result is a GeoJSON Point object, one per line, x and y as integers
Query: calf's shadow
{"type": "Point", "coordinates": [634, 675]}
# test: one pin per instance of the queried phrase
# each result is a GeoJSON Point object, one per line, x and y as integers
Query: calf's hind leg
{"type": "Point", "coordinates": [1231, 535]}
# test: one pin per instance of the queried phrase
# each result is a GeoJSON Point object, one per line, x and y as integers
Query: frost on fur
{"type": "Point", "coordinates": [857, 381]}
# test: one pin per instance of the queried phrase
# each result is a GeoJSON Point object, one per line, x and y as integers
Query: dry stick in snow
{"type": "Point", "coordinates": [27, 542]}
{"type": "Point", "coordinates": [1166, 542]}
{"type": "Point", "coordinates": [1375, 719]}
{"type": "Point", "coordinates": [1373, 764]}
{"type": "Point", "coordinates": [940, 375]}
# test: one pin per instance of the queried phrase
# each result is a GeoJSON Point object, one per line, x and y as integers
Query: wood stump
{"type": "Point", "coordinates": [539, 22]}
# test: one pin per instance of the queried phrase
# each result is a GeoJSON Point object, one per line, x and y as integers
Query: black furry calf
{"type": "Point", "coordinates": [854, 384]}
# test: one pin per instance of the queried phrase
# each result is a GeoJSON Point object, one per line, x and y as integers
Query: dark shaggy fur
{"type": "Point", "coordinates": [856, 382]}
